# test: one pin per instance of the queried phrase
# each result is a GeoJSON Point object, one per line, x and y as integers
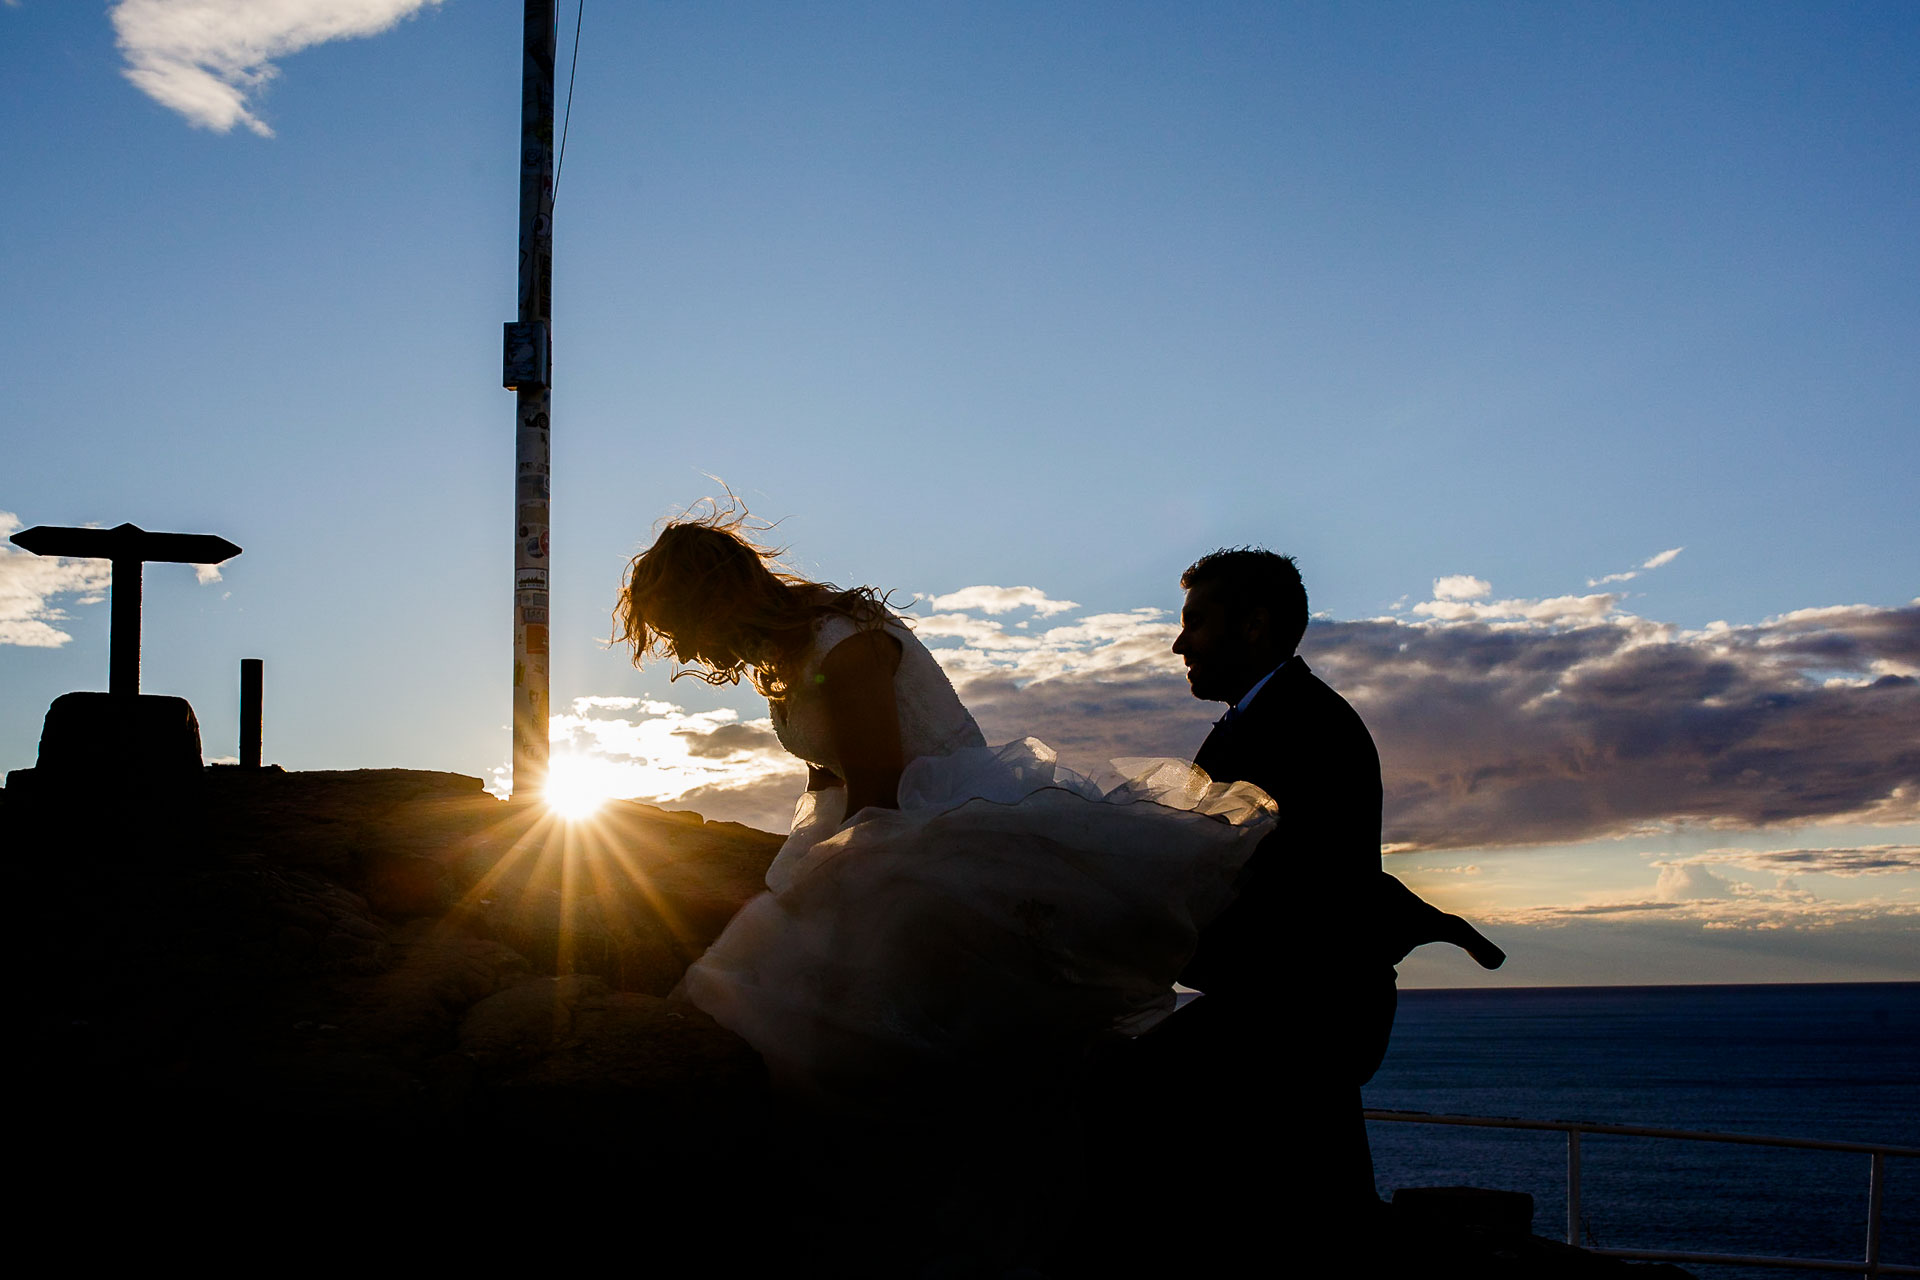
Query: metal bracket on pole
{"type": "Point", "coordinates": [528, 356]}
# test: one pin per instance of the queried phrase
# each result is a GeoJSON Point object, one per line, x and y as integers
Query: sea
{"type": "Point", "coordinates": [1829, 1061]}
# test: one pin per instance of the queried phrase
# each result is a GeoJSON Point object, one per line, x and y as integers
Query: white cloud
{"type": "Point", "coordinates": [1556, 611]}
{"type": "Point", "coordinates": [28, 585]}
{"type": "Point", "coordinates": [1689, 894]}
{"type": "Point", "coordinates": [205, 573]}
{"type": "Point", "coordinates": [710, 761]}
{"type": "Point", "coordinates": [1461, 586]}
{"type": "Point", "coordinates": [1869, 860]}
{"type": "Point", "coordinates": [1002, 600]}
{"type": "Point", "coordinates": [1664, 558]}
{"type": "Point", "coordinates": [207, 59]}
{"type": "Point", "coordinates": [1500, 723]}
{"type": "Point", "coordinates": [1682, 881]}
{"type": "Point", "coordinates": [1652, 562]}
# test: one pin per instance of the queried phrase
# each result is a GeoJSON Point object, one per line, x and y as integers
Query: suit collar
{"type": "Point", "coordinates": [1291, 668]}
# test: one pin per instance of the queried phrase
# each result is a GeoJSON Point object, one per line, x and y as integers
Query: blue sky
{"type": "Point", "coordinates": [1472, 307]}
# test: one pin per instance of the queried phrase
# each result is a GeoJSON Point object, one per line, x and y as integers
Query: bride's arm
{"type": "Point", "coordinates": [865, 719]}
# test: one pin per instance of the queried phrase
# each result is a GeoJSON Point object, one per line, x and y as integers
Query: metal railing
{"type": "Point", "coordinates": [1871, 1266]}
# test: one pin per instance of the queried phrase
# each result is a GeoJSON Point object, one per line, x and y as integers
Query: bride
{"type": "Point", "coordinates": [939, 901]}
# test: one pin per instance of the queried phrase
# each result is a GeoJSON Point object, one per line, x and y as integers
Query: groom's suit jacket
{"type": "Point", "coordinates": [1266, 1066]}
{"type": "Point", "coordinates": [1312, 934]}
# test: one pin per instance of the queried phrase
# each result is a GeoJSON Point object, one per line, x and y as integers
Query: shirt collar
{"type": "Point", "coordinates": [1246, 699]}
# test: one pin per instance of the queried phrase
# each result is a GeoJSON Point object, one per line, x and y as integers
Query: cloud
{"type": "Point", "coordinates": [28, 585]}
{"type": "Point", "coordinates": [1672, 944]}
{"type": "Point", "coordinates": [1002, 600]}
{"type": "Point", "coordinates": [1519, 722]}
{"type": "Point", "coordinates": [1688, 892]}
{"type": "Point", "coordinates": [709, 761]}
{"type": "Point", "coordinates": [1461, 586]}
{"type": "Point", "coordinates": [1553, 611]}
{"type": "Point", "coordinates": [207, 59]}
{"type": "Point", "coordinates": [1504, 732]}
{"type": "Point", "coordinates": [1664, 558]}
{"type": "Point", "coordinates": [1871, 860]}
{"type": "Point", "coordinates": [205, 573]}
{"type": "Point", "coordinates": [1681, 881]}
{"type": "Point", "coordinates": [1500, 723]}
{"type": "Point", "coordinates": [1652, 562]}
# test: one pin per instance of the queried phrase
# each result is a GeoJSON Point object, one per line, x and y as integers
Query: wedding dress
{"type": "Point", "coordinates": [1009, 904]}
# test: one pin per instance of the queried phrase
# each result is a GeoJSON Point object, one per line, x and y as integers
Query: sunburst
{"type": "Point", "coordinates": [577, 786]}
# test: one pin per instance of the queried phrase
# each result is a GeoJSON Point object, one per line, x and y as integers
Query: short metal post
{"type": "Point", "coordinates": [1573, 1187]}
{"type": "Point", "coordinates": [252, 678]}
{"type": "Point", "coordinates": [123, 645]}
{"type": "Point", "coordinates": [1876, 1190]}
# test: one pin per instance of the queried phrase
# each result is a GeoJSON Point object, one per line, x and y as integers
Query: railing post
{"type": "Point", "coordinates": [1876, 1189]}
{"type": "Point", "coordinates": [1573, 1187]}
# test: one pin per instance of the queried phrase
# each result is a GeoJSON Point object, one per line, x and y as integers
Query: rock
{"type": "Point", "coordinates": [409, 885]}
{"type": "Point", "coordinates": [1424, 1209]}
{"type": "Point", "coordinates": [571, 1063]}
{"type": "Point", "coordinates": [115, 741]}
{"type": "Point", "coordinates": [1472, 1233]}
{"type": "Point", "coordinates": [279, 959]}
{"type": "Point", "coordinates": [414, 1008]}
{"type": "Point", "coordinates": [632, 897]}
{"type": "Point", "coordinates": [319, 996]}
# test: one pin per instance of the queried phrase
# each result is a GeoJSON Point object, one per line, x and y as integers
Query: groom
{"type": "Point", "coordinates": [1266, 1067]}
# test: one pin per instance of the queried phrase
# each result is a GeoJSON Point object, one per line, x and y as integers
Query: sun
{"type": "Point", "coordinates": [577, 787]}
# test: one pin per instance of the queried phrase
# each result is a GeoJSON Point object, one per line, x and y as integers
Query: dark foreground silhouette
{"type": "Point", "coordinates": [382, 1010]}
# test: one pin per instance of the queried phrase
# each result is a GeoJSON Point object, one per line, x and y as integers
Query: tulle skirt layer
{"type": "Point", "coordinates": [1008, 904]}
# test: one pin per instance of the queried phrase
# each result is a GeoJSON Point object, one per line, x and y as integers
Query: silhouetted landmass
{"type": "Point", "coordinates": [323, 1001]}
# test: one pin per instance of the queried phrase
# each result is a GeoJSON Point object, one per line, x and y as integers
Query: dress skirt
{"type": "Point", "coordinates": [1008, 905]}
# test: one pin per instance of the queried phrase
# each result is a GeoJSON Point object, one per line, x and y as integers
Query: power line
{"type": "Point", "coordinates": [560, 161]}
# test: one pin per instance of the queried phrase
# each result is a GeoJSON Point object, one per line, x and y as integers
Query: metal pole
{"type": "Point", "coordinates": [1573, 1187]}
{"type": "Point", "coordinates": [1876, 1193]}
{"type": "Point", "coordinates": [123, 646]}
{"type": "Point", "coordinates": [528, 360]}
{"type": "Point", "coordinates": [252, 680]}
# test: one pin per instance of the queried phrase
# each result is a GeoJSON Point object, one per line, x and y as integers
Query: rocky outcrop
{"type": "Point", "coordinates": [301, 1007]}
{"type": "Point", "coordinates": [92, 739]}
{"type": "Point", "coordinates": [287, 973]}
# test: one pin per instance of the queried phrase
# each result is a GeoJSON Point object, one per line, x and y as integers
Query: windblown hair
{"type": "Point", "coordinates": [1255, 578]}
{"type": "Point", "coordinates": [705, 570]}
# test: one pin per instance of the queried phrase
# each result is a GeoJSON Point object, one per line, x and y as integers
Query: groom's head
{"type": "Point", "coordinates": [1245, 612]}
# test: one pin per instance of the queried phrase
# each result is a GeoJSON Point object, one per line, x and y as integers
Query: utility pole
{"type": "Point", "coordinates": [527, 367]}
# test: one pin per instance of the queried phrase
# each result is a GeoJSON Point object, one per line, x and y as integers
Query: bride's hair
{"type": "Point", "coordinates": [707, 563]}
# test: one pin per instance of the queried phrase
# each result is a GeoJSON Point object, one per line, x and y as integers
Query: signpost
{"type": "Point", "coordinates": [129, 547]}
{"type": "Point", "coordinates": [526, 371]}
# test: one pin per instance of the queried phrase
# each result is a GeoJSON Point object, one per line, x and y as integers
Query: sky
{"type": "Point", "coordinates": [1570, 348]}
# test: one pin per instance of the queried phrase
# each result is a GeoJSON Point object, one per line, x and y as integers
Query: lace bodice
{"type": "Point", "coordinates": [932, 720]}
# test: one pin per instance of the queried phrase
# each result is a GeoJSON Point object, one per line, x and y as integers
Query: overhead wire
{"type": "Point", "coordinates": [560, 160]}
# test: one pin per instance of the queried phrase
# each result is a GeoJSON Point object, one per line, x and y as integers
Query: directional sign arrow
{"type": "Point", "coordinates": [125, 542]}
{"type": "Point", "coordinates": [128, 546]}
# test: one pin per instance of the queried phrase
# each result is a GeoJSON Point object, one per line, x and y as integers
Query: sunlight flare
{"type": "Point", "coordinates": [577, 786]}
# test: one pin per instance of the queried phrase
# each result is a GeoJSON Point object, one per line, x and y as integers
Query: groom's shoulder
{"type": "Point", "coordinates": [1297, 683]}
{"type": "Point", "coordinates": [1303, 695]}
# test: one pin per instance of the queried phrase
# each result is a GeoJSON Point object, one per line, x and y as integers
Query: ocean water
{"type": "Point", "coordinates": [1839, 1062]}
